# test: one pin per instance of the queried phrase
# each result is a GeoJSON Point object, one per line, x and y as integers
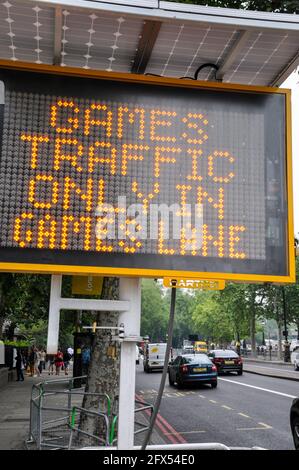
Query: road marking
{"type": "Point", "coordinates": [213, 401]}
{"type": "Point", "coordinates": [180, 394]}
{"type": "Point", "coordinates": [226, 407]}
{"type": "Point", "coordinates": [165, 427]}
{"type": "Point", "coordinates": [242, 414]}
{"type": "Point", "coordinates": [258, 388]}
{"type": "Point", "coordinates": [201, 396]}
{"type": "Point", "coordinates": [264, 426]}
{"type": "Point", "coordinates": [187, 432]}
{"type": "Point", "coordinates": [141, 391]}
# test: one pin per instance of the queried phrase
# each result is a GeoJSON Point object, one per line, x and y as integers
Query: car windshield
{"type": "Point", "coordinates": [226, 353]}
{"type": "Point", "coordinates": [196, 359]}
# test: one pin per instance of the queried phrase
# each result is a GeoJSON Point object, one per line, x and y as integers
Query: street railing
{"type": "Point", "coordinates": [51, 411]}
{"type": "Point", "coordinates": [56, 416]}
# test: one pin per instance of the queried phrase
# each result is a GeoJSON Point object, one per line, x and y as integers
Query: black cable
{"type": "Point", "coordinates": [165, 368]}
{"type": "Point", "coordinates": [201, 67]}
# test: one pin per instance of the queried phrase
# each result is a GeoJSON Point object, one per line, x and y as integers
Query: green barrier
{"type": "Point", "coordinates": [112, 430]}
{"type": "Point", "coordinates": [73, 417]}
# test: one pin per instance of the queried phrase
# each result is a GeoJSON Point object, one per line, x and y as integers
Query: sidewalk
{"type": "Point", "coordinates": [15, 414]}
{"type": "Point", "coordinates": [283, 370]}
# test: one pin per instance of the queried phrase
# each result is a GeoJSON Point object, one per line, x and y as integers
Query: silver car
{"type": "Point", "coordinates": [296, 361]}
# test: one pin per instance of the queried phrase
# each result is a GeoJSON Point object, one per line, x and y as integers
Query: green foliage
{"type": "Point", "coordinates": [18, 344]}
{"type": "Point", "coordinates": [210, 319]}
{"type": "Point", "coordinates": [24, 297]}
{"type": "Point", "coordinates": [154, 316]}
{"type": "Point", "coordinates": [279, 6]}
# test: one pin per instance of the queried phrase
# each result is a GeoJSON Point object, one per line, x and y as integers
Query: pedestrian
{"type": "Point", "coordinates": [66, 361]}
{"type": "Point", "coordinates": [42, 360]}
{"type": "Point", "coordinates": [19, 366]}
{"type": "Point", "coordinates": [58, 361]}
{"type": "Point", "coordinates": [85, 359]}
{"type": "Point", "coordinates": [51, 363]}
{"type": "Point", "coordinates": [36, 362]}
{"type": "Point", "coordinates": [32, 359]}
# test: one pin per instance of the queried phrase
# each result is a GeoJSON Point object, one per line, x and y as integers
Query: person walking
{"type": "Point", "coordinates": [66, 361]}
{"type": "Point", "coordinates": [36, 362]}
{"type": "Point", "coordinates": [32, 359]}
{"type": "Point", "coordinates": [58, 361]}
{"type": "Point", "coordinates": [51, 363]}
{"type": "Point", "coordinates": [42, 360]}
{"type": "Point", "coordinates": [19, 366]}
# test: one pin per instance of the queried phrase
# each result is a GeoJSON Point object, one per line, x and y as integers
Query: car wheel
{"type": "Point", "coordinates": [295, 431]}
{"type": "Point", "coordinates": [171, 382]}
{"type": "Point", "coordinates": [240, 372]}
{"type": "Point", "coordinates": [179, 382]}
{"type": "Point", "coordinates": [214, 384]}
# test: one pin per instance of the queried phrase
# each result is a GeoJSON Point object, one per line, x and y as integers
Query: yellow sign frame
{"type": "Point", "coordinates": [151, 273]}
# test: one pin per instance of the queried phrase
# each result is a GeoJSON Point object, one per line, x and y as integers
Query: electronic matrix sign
{"type": "Point", "coordinates": [127, 175]}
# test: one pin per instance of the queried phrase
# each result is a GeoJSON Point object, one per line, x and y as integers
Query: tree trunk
{"type": "Point", "coordinates": [103, 372]}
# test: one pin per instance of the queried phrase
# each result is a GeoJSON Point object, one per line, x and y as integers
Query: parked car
{"type": "Point", "coordinates": [192, 368]}
{"type": "Point", "coordinates": [294, 421]}
{"type": "Point", "coordinates": [226, 360]}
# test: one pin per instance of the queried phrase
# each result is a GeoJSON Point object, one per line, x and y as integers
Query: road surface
{"type": "Point", "coordinates": [244, 411]}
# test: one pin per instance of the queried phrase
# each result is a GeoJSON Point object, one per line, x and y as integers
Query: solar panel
{"type": "Point", "coordinates": [248, 47]}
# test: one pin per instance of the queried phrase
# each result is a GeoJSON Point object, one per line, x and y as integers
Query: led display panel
{"type": "Point", "coordinates": [143, 177]}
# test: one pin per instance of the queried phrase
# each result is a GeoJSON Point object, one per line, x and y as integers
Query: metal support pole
{"type": "Point", "coordinates": [165, 368]}
{"type": "Point", "coordinates": [54, 314]}
{"type": "Point", "coordinates": [129, 289]}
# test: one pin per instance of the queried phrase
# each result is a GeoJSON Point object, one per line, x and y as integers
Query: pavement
{"type": "Point", "coordinates": [15, 414]}
{"type": "Point", "coordinates": [276, 369]}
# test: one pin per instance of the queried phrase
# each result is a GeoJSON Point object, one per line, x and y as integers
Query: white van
{"type": "Point", "coordinates": [154, 356]}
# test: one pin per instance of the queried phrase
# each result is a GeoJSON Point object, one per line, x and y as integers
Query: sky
{"type": "Point", "coordinates": [293, 83]}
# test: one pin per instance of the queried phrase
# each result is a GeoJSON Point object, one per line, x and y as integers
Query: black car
{"type": "Point", "coordinates": [226, 360]}
{"type": "Point", "coordinates": [192, 368]}
{"type": "Point", "coordinates": [294, 419]}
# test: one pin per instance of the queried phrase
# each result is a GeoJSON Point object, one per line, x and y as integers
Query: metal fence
{"type": "Point", "coordinates": [56, 414]}
{"type": "Point", "coordinates": [51, 409]}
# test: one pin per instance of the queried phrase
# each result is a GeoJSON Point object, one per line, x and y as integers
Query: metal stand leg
{"type": "Point", "coordinates": [54, 314]}
{"type": "Point", "coordinates": [129, 289]}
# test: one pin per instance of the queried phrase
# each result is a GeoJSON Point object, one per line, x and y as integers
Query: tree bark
{"type": "Point", "coordinates": [103, 372]}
